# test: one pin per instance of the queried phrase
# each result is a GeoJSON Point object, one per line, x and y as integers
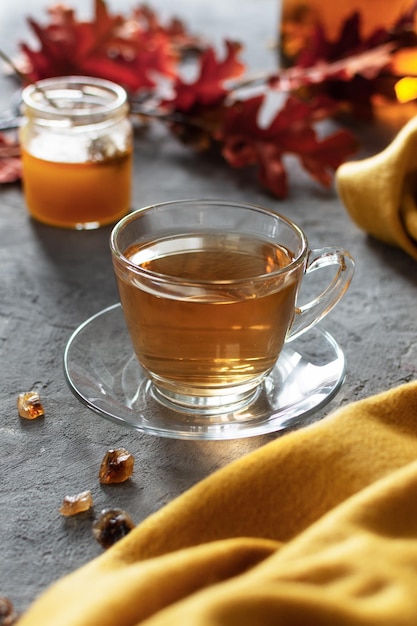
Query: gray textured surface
{"type": "Point", "coordinates": [52, 280]}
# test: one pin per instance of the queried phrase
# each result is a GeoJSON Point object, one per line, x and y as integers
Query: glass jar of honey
{"type": "Point", "coordinates": [76, 142]}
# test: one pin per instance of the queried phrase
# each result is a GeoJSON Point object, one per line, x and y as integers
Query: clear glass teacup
{"type": "Point", "coordinates": [209, 291]}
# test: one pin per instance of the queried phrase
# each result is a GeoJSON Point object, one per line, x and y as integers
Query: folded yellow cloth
{"type": "Point", "coordinates": [380, 193]}
{"type": "Point", "coordinates": [317, 527]}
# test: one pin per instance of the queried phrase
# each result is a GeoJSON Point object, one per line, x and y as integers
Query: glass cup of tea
{"type": "Point", "coordinates": [209, 289]}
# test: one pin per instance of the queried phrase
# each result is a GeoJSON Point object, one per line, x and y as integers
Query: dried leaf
{"type": "Point", "coordinates": [208, 90]}
{"type": "Point", "coordinates": [176, 31]}
{"type": "Point", "coordinates": [125, 50]}
{"type": "Point", "coordinates": [196, 110]}
{"type": "Point", "coordinates": [291, 131]}
{"type": "Point", "coordinates": [352, 68]}
{"type": "Point", "coordinates": [10, 162]}
{"type": "Point", "coordinates": [368, 64]}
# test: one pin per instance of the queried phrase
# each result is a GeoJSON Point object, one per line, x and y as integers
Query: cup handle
{"type": "Point", "coordinates": [311, 313]}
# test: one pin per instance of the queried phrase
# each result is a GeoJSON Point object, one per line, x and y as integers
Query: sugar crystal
{"type": "Point", "coordinates": [116, 467]}
{"type": "Point", "coordinates": [72, 505]}
{"type": "Point", "coordinates": [8, 616]}
{"type": "Point", "coordinates": [111, 526]}
{"type": "Point", "coordinates": [29, 405]}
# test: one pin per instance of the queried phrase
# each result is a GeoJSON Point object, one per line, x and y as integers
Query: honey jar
{"type": "Point", "coordinates": [76, 142]}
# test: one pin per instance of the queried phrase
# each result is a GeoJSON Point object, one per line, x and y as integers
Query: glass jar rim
{"type": "Point", "coordinates": [52, 98]}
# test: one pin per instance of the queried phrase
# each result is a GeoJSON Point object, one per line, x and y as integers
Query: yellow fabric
{"type": "Point", "coordinates": [380, 193]}
{"type": "Point", "coordinates": [317, 527]}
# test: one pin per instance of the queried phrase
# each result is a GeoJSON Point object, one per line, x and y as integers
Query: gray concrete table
{"type": "Point", "coordinates": [52, 280]}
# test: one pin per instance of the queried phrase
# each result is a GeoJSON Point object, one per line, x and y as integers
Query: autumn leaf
{"type": "Point", "coordinates": [175, 30]}
{"type": "Point", "coordinates": [356, 86]}
{"type": "Point", "coordinates": [124, 50]}
{"type": "Point", "coordinates": [349, 42]}
{"type": "Point", "coordinates": [367, 64]}
{"type": "Point", "coordinates": [291, 131]}
{"type": "Point", "coordinates": [352, 68]}
{"type": "Point", "coordinates": [196, 110]}
{"type": "Point", "coordinates": [209, 88]}
{"type": "Point", "coordinates": [10, 162]}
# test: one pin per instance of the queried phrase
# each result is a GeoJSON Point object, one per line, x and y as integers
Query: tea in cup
{"type": "Point", "coordinates": [209, 291]}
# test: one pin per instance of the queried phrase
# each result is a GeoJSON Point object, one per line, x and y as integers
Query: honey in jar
{"type": "Point", "coordinates": [76, 143]}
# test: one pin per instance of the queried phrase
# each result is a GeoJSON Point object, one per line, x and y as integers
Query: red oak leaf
{"type": "Point", "coordinates": [352, 68]}
{"type": "Point", "coordinates": [367, 64]}
{"type": "Point", "coordinates": [349, 42]}
{"type": "Point", "coordinates": [208, 90]}
{"type": "Point", "coordinates": [109, 46]}
{"type": "Point", "coordinates": [291, 131]}
{"type": "Point", "coordinates": [357, 89]}
{"type": "Point", "coordinates": [175, 30]}
{"type": "Point", "coordinates": [10, 162]}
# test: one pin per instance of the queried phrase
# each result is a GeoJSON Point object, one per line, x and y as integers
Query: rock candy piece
{"type": "Point", "coordinates": [111, 526]}
{"type": "Point", "coordinates": [8, 616]}
{"type": "Point", "coordinates": [29, 405]}
{"type": "Point", "coordinates": [72, 505]}
{"type": "Point", "coordinates": [116, 466]}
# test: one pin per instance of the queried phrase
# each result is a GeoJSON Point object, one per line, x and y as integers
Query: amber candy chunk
{"type": "Point", "coordinates": [116, 466]}
{"type": "Point", "coordinates": [72, 505]}
{"type": "Point", "coordinates": [8, 616]}
{"type": "Point", "coordinates": [29, 405]}
{"type": "Point", "coordinates": [111, 526]}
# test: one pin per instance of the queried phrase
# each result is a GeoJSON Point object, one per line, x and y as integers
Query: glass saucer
{"type": "Point", "coordinates": [104, 374]}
